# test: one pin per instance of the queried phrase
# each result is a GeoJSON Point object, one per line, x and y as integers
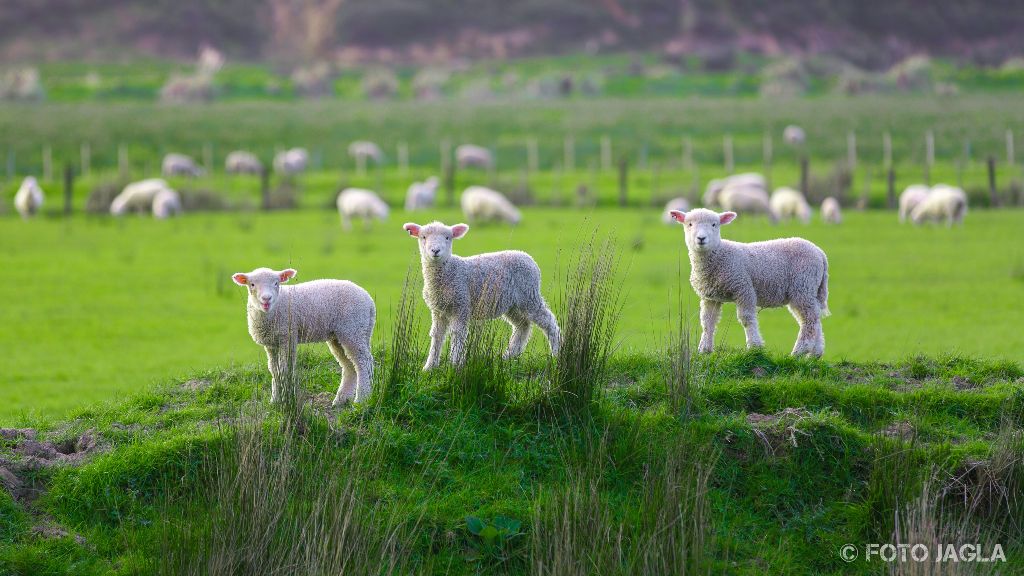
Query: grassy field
{"type": "Point", "coordinates": [109, 306]}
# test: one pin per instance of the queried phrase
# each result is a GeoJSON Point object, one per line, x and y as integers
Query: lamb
{"type": "Point", "coordinates": [911, 197]}
{"type": "Point", "coordinates": [794, 135]}
{"type": "Point", "coordinates": [484, 204]}
{"type": "Point", "coordinates": [787, 203]}
{"type": "Point", "coordinates": [943, 202]}
{"type": "Point", "coordinates": [831, 213]}
{"type": "Point", "coordinates": [166, 203]}
{"type": "Point", "coordinates": [138, 196]}
{"type": "Point", "coordinates": [481, 287]}
{"type": "Point", "coordinates": [291, 162]}
{"type": "Point", "coordinates": [471, 155]}
{"type": "Point", "coordinates": [180, 165]}
{"type": "Point", "coordinates": [338, 312]}
{"type": "Point", "coordinates": [742, 192]}
{"type": "Point", "coordinates": [679, 204]}
{"type": "Point", "coordinates": [360, 203]}
{"type": "Point", "coordinates": [789, 271]}
{"type": "Point", "coordinates": [29, 198]}
{"type": "Point", "coordinates": [420, 195]}
{"type": "Point", "coordinates": [242, 162]}
{"type": "Point", "coordinates": [362, 150]}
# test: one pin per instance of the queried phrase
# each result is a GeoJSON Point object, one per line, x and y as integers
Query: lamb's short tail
{"type": "Point", "coordinates": [823, 287]}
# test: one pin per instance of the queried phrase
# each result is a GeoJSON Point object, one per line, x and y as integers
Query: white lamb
{"type": "Point", "coordinates": [421, 195]}
{"type": "Point", "coordinates": [334, 311]}
{"type": "Point", "coordinates": [789, 271]}
{"type": "Point", "coordinates": [360, 203]}
{"type": "Point", "coordinates": [911, 197]}
{"type": "Point", "coordinates": [138, 196]}
{"type": "Point", "coordinates": [363, 150]}
{"type": "Point", "coordinates": [943, 202]}
{"type": "Point", "coordinates": [480, 204]}
{"type": "Point", "coordinates": [794, 135]}
{"type": "Point", "coordinates": [680, 204]}
{"type": "Point", "coordinates": [471, 155]}
{"type": "Point", "coordinates": [787, 203]}
{"type": "Point", "coordinates": [742, 193]}
{"type": "Point", "coordinates": [242, 162]}
{"type": "Point", "coordinates": [29, 198]}
{"type": "Point", "coordinates": [481, 287]}
{"type": "Point", "coordinates": [831, 212]}
{"type": "Point", "coordinates": [166, 203]}
{"type": "Point", "coordinates": [180, 165]}
{"type": "Point", "coordinates": [290, 162]}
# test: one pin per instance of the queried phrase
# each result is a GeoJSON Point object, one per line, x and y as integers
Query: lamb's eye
{"type": "Point", "coordinates": [714, 225]}
{"type": "Point", "coordinates": [251, 285]}
{"type": "Point", "coordinates": [447, 237]}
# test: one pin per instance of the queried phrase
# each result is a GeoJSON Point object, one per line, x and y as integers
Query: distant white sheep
{"type": "Point", "coordinates": [138, 196]}
{"type": "Point", "coordinates": [421, 195]}
{"type": "Point", "coordinates": [166, 203]}
{"type": "Point", "coordinates": [943, 202]}
{"type": "Point", "coordinates": [794, 135]}
{"type": "Point", "coordinates": [787, 272]}
{"type": "Point", "coordinates": [180, 165]}
{"type": "Point", "coordinates": [831, 212]}
{"type": "Point", "coordinates": [29, 198]}
{"type": "Point", "coordinates": [242, 162]}
{"type": "Point", "coordinates": [362, 151]}
{"type": "Point", "coordinates": [334, 311]}
{"type": "Point", "coordinates": [291, 162]}
{"type": "Point", "coordinates": [680, 204]}
{"type": "Point", "coordinates": [362, 204]}
{"type": "Point", "coordinates": [483, 287]}
{"type": "Point", "coordinates": [746, 193]}
{"type": "Point", "coordinates": [473, 156]}
{"type": "Point", "coordinates": [911, 197]}
{"type": "Point", "coordinates": [480, 204]}
{"type": "Point", "coordinates": [787, 203]}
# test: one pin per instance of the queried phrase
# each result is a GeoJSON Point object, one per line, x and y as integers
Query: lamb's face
{"type": "Point", "coordinates": [703, 228]}
{"type": "Point", "coordinates": [435, 240]}
{"type": "Point", "coordinates": [264, 286]}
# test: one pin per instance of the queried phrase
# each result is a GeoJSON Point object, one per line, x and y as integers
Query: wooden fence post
{"type": "Point", "coordinates": [403, 158]}
{"type": "Point", "coordinates": [569, 154]}
{"type": "Point", "coordinates": [993, 193]}
{"type": "Point", "coordinates": [929, 160]}
{"type": "Point", "coordinates": [851, 150]}
{"type": "Point", "coordinates": [265, 188]}
{"type": "Point", "coordinates": [805, 176]}
{"type": "Point", "coordinates": [69, 187]}
{"type": "Point", "coordinates": [532, 160]}
{"type": "Point", "coordinates": [890, 187]}
{"type": "Point", "coordinates": [47, 163]}
{"type": "Point", "coordinates": [727, 151]}
{"type": "Point", "coordinates": [86, 156]}
{"type": "Point", "coordinates": [606, 153]}
{"type": "Point", "coordinates": [623, 181]}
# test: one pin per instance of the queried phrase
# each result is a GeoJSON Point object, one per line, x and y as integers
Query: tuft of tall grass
{"type": "Point", "coordinates": [483, 378]}
{"type": "Point", "coordinates": [588, 310]}
{"type": "Point", "coordinates": [401, 362]}
{"type": "Point", "coordinates": [893, 483]}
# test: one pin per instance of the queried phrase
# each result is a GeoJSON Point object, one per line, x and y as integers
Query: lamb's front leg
{"type": "Point", "coordinates": [275, 377]}
{"type": "Point", "coordinates": [710, 312]}
{"type": "Point", "coordinates": [286, 376]}
{"type": "Point", "coordinates": [746, 311]}
{"type": "Point", "coordinates": [438, 331]}
{"type": "Point", "coordinates": [460, 333]}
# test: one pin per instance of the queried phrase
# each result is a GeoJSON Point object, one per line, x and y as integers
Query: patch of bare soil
{"type": "Point", "coordinates": [28, 453]}
{"type": "Point", "coordinates": [779, 430]}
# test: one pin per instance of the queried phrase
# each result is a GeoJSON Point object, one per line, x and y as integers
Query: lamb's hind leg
{"type": "Point", "coordinates": [359, 353]}
{"type": "Point", "coordinates": [347, 387]}
{"type": "Point", "coordinates": [520, 333]}
{"type": "Point", "coordinates": [810, 339]}
{"type": "Point", "coordinates": [542, 316]}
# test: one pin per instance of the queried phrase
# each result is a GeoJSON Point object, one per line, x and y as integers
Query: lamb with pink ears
{"type": "Point", "coordinates": [482, 287]}
{"type": "Point", "coordinates": [334, 311]}
{"type": "Point", "coordinates": [789, 272]}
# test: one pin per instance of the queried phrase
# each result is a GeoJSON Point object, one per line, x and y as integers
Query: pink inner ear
{"type": "Point", "coordinates": [287, 275]}
{"type": "Point", "coordinates": [240, 279]}
{"type": "Point", "coordinates": [677, 215]}
{"type": "Point", "coordinates": [459, 230]}
{"type": "Point", "coordinates": [412, 229]}
{"type": "Point", "coordinates": [726, 217]}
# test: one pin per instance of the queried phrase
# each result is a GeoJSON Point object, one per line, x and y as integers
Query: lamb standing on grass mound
{"type": "Point", "coordinates": [943, 202]}
{"type": "Point", "coordinates": [480, 204]}
{"type": "Point", "coordinates": [334, 311]}
{"type": "Point", "coordinates": [481, 287]}
{"type": "Point", "coordinates": [789, 271]}
{"type": "Point", "coordinates": [29, 198]}
{"type": "Point", "coordinates": [360, 203]}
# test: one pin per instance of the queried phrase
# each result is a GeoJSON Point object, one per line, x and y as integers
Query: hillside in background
{"type": "Point", "coordinates": [290, 31]}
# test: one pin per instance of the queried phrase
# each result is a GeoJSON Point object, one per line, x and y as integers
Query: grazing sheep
{"type": "Point", "coordinates": [242, 162]}
{"type": "Point", "coordinates": [679, 204]}
{"type": "Point", "coordinates": [831, 213]}
{"type": "Point", "coordinates": [742, 193]}
{"type": "Point", "coordinates": [943, 202]}
{"type": "Point", "coordinates": [483, 204]}
{"type": "Point", "coordinates": [911, 197]}
{"type": "Point", "coordinates": [290, 162]}
{"type": "Point", "coordinates": [794, 135]}
{"type": "Point", "coordinates": [420, 195]}
{"type": "Point", "coordinates": [471, 155]}
{"type": "Point", "coordinates": [166, 203]}
{"type": "Point", "coordinates": [747, 180]}
{"type": "Point", "coordinates": [334, 311]}
{"type": "Point", "coordinates": [138, 196]}
{"type": "Point", "coordinates": [481, 287]}
{"type": "Point", "coordinates": [360, 203]}
{"type": "Point", "coordinates": [180, 165]}
{"type": "Point", "coordinates": [789, 271]}
{"type": "Point", "coordinates": [362, 151]}
{"type": "Point", "coordinates": [29, 198]}
{"type": "Point", "coordinates": [787, 203]}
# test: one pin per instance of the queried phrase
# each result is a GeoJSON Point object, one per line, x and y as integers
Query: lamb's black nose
{"type": "Point", "coordinates": [701, 239]}
{"type": "Point", "coordinates": [436, 251]}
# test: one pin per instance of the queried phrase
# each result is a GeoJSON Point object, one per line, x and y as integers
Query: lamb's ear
{"type": "Point", "coordinates": [287, 274]}
{"type": "Point", "coordinates": [240, 279]}
{"type": "Point", "coordinates": [412, 228]}
{"type": "Point", "coordinates": [459, 230]}
{"type": "Point", "coordinates": [726, 217]}
{"type": "Point", "coordinates": [677, 215]}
